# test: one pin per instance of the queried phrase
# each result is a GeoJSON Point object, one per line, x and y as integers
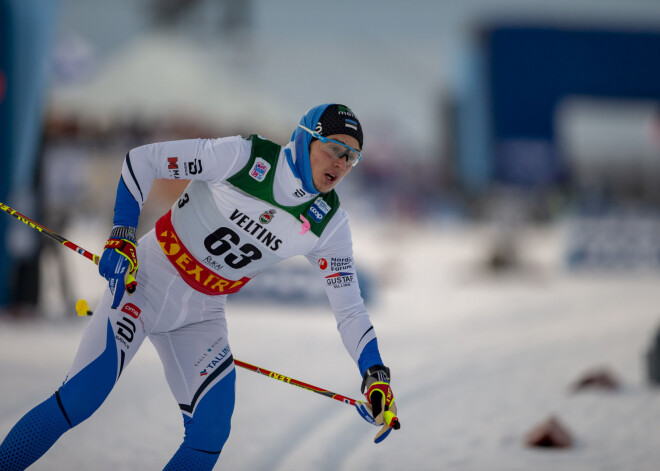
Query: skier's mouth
{"type": "Point", "coordinates": [330, 177]}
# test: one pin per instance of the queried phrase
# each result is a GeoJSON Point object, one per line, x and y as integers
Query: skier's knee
{"type": "Point", "coordinates": [209, 427]}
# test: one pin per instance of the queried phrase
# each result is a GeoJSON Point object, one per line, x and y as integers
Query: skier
{"type": "Point", "coordinates": [250, 204]}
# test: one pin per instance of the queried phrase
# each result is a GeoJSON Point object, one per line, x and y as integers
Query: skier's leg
{"type": "Point", "coordinates": [200, 371]}
{"type": "Point", "coordinates": [207, 429]}
{"type": "Point", "coordinates": [108, 344]}
{"type": "Point", "coordinates": [33, 435]}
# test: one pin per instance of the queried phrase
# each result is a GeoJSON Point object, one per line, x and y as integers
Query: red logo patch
{"type": "Point", "coordinates": [323, 263]}
{"type": "Point", "coordinates": [132, 310]}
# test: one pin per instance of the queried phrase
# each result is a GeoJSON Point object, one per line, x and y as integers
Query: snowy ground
{"type": "Point", "coordinates": [477, 361]}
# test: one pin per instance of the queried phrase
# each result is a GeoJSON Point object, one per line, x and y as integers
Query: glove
{"type": "Point", "coordinates": [380, 407]}
{"type": "Point", "coordinates": [119, 263]}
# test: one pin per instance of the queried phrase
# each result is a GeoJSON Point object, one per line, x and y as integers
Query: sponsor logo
{"type": "Point", "coordinates": [202, 279]}
{"type": "Point", "coordinates": [132, 310]}
{"type": "Point", "coordinates": [341, 263]}
{"type": "Point", "coordinates": [193, 273]}
{"type": "Point", "coordinates": [256, 230]}
{"type": "Point", "coordinates": [299, 193]}
{"type": "Point", "coordinates": [282, 378]}
{"type": "Point", "coordinates": [322, 205]}
{"type": "Point", "coordinates": [267, 216]}
{"type": "Point", "coordinates": [350, 121]}
{"type": "Point", "coordinates": [125, 331]}
{"type": "Point", "coordinates": [319, 209]}
{"type": "Point", "coordinates": [260, 169]}
{"type": "Point", "coordinates": [173, 167]}
{"type": "Point", "coordinates": [345, 111]}
{"type": "Point", "coordinates": [323, 263]}
{"type": "Point", "coordinates": [207, 352]}
{"type": "Point", "coordinates": [340, 279]}
{"type": "Point", "coordinates": [209, 262]}
{"type": "Point", "coordinates": [21, 218]}
{"type": "Point", "coordinates": [215, 361]}
{"type": "Point", "coordinates": [194, 167]}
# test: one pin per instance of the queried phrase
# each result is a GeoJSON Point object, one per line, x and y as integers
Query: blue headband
{"type": "Point", "coordinates": [302, 140]}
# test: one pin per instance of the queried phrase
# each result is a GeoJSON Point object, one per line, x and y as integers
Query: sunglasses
{"type": "Point", "coordinates": [337, 149]}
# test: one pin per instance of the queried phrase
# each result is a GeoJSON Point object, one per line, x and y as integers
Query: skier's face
{"type": "Point", "coordinates": [328, 170]}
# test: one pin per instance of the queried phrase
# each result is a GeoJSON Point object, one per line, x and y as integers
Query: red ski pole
{"type": "Point", "coordinates": [49, 233]}
{"type": "Point", "coordinates": [131, 283]}
{"type": "Point", "coordinates": [392, 421]}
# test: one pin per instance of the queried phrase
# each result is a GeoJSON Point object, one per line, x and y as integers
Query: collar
{"type": "Point", "coordinates": [303, 175]}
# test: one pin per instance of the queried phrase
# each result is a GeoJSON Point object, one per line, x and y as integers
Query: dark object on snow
{"type": "Point", "coordinates": [653, 361]}
{"type": "Point", "coordinates": [597, 379]}
{"type": "Point", "coordinates": [549, 434]}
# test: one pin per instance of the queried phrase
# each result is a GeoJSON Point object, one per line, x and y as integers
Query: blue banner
{"type": "Point", "coordinates": [5, 143]}
{"type": "Point", "coordinates": [27, 29]}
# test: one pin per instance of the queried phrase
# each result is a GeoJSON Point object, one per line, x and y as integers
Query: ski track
{"type": "Point", "coordinates": [477, 361]}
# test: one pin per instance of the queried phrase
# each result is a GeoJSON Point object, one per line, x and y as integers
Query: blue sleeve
{"type": "Point", "coordinates": [127, 210]}
{"type": "Point", "coordinates": [369, 357]}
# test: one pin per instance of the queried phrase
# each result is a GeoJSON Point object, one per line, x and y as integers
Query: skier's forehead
{"type": "Point", "coordinates": [350, 141]}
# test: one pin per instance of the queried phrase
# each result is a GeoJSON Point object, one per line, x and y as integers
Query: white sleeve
{"type": "Point", "coordinates": [333, 259]}
{"type": "Point", "coordinates": [193, 159]}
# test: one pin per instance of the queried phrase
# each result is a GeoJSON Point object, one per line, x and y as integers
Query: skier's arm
{"type": "Point", "coordinates": [195, 159]}
{"type": "Point", "coordinates": [192, 159]}
{"type": "Point", "coordinates": [334, 261]}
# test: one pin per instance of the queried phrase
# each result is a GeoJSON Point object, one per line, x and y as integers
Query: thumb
{"type": "Point", "coordinates": [117, 289]}
{"type": "Point", "coordinates": [117, 282]}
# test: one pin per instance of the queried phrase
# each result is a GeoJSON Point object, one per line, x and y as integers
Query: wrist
{"type": "Point", "coordinates": [123, 232]}
{"type": "Point", "coordinates": [375, 373]}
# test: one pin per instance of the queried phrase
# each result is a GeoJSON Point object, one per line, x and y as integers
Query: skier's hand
{"type": "Point", "coordinates": [119, 263]}
{"type": "Point", "coordinates": [381, 406]}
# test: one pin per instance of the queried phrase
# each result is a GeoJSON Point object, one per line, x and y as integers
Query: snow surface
{"type": "Point", "coordinates": [477, 360]}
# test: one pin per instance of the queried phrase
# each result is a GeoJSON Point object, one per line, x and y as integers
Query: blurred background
{"type": "Point", "coordinates": [506, 113]}
{"type": "Point", "coordinates": [506, 217]}
{"type": "Point", "coordinates": [511, 114]}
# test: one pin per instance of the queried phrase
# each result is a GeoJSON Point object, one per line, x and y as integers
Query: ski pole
{"type": "Point", "coordinates": [295, 382]}
{"type": "Point", "coordinates": [130, 287]}
{"type": "Point", "coordinates": [82, 309]}
{"type": "Point", "coordinates": [390, 418]}
{"type": "Point", "coordinates": [49, 233]}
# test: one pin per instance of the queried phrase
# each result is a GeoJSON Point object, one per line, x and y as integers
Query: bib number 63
{"type": "Point", "coordinates": [224, 239]}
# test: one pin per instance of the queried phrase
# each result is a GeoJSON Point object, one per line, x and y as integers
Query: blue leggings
{"type": "Point", "coordinates": [207, 426]}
